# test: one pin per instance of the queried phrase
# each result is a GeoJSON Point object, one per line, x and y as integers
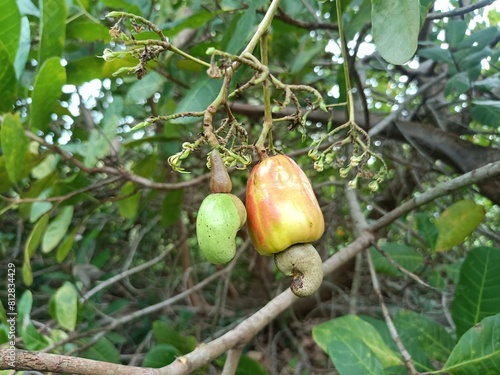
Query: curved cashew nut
{"type": "Point", "coordinates": [303, 263]}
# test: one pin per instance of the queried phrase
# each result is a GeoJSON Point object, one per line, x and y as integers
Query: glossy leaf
{"type": "Point", "coordinates": [47, 89]}
{"type": "Point", "coordinates": [477, 351]}
{"type": "Point", "coordinates": [57, 228]}
{"type": "Point", "coordinates": [395, 27]}
{"type": "Point", "coordinates": [354, 346]}
{"type": "Point", "coordinates": [403, 255]}
{"type": "Point", "coordinates": [65, 302]}
{"type": "Point", "coordinates": [457, 222]}
{"type": "Point", "coordinates": [477, 294]}
{"type": "Point", "coordinates": [14, 146]}
{"type": "Point", "coordinates": [52, 29]}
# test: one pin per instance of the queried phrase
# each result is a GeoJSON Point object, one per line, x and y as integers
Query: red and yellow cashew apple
{"type": "Point", "coordinates": [283, 212]}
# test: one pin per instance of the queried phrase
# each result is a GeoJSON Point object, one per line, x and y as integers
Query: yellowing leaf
{"type": "Point", "coordinates": [457, 222]}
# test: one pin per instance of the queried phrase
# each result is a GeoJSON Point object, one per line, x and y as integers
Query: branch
{"type": "Point", "coordinates": [25, 360]}
{"type": "Point", "coordinates": [247, 329]}
{"type": "Point", "coordinates": [460, 11]}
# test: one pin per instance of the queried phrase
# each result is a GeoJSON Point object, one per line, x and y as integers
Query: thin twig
{"type": "Point", "coordinates": [387, 317]}
{"type": "Point", "coordinates": [404, 270]}
{"type": "Point", "coordinates": [460, 11]}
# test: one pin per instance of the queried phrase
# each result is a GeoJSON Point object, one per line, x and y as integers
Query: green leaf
{"type": "Point", "coordinates": [486, 112]}
{"type": "Point", "coordinates": [40, 208]}
{"type": "Point", "coordinates": [427, 229]}
{"type": "Point", "coordinates": [403, 255]}
{"type": "Point", "coordinates": [14, 146]}
{"type": "Point", "coordinates": [171, 207]}
{"type": "Point", "coordinates": [99, 143]}
{"type": "Point", "coordinates": [457, 222]}
{"type": "Point", "coordinates": [47, 89]}
{"type": "Point", "coordinates": [455, 32]}
{"type": "Point", "coordinates": [87, 31]}
{"type": "Point", "coordinates": [354, 346]}
{"type": "Point", "coordinates": [32, 339]}
{"type": "Point", "coordinates": [31, 245]}
{"type": "Point", "coordinates": [306, 55]}
{"type": "Point", "coordinates": [431, 336]}
{"type": "Point", "coordinates": [477, 351]}
{"type": "Point", "coordinates": [166, 334]}
{"type": "Point", "coordinates": [160, 355]}
{"type": "Point", "coordinates": [10, 32]}
{"type": "Point", "coordinates": [477, 294]}
{"type": "Point", "coordinates": [203, 92]}
{"type": "Point", "coordinates": [194, 21]}
{"type": "Point", "coordinates": [480, 38]}
{"type": "Point", "coordinates": [27, 8]}
{"type": "Point", "coordinates": [52, 29]}
{"type": "Point", "coordinates": [128, 207]}
{"type": "Point", "coordinates": [436, 54]}
{"type": "Point", "coordinates": [24, 308]}
{"type": "Point", "coordinates": [8, 81]}
{"type": "Point", "coordinates": [65, 302]}
{"type": "Point", "coordinates": [24, 47]}
{"type": "Point", "coordinates": [66, 245]}
{"type": "Point", "coordinates": [141, 90]}
{"type": "Point", "coordinates": [57, 228]}
{"type": "Point", "coordinates": [103, 350]}
{"type": "Point", "coordinates": [458, 84]}
{"type": "Point", "coordinates": [243, 30]}
{"type": "Point", "coordinates": [395, 27]}
{"type": "Point", "coordinates": [27, 272]}
{"type": "Point", "coordinates": [249, 366]}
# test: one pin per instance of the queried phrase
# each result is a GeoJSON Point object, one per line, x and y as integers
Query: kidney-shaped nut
{"type": "Point", "coordinates": [303, 263]}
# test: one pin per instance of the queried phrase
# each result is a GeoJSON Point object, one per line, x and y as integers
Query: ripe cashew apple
{"type": "Point", "coordinates": [283, 217]}
{"type": "Point", "coordinates": [281, 205]}
{"type": "Point", "coordinates": [219, 218]}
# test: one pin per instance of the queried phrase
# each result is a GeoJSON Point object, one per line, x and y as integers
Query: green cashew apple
{"type": "Point", "coordinates": [219, 218]}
